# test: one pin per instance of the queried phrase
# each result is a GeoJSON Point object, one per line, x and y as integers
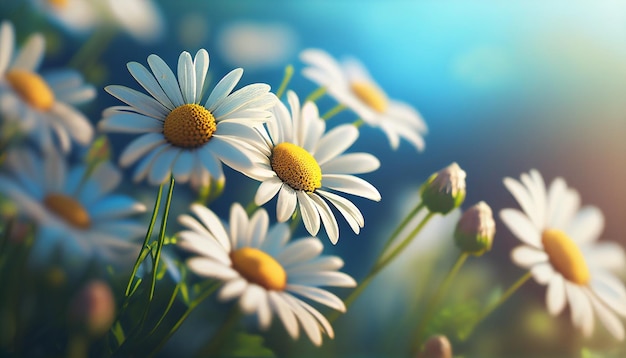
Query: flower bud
{"type": "Point", "coordinates": [93, 308]}
{"type": "Point", "coordinates": [475, 230]}
{"type": "Point", "coordinates": [437, 347]}
{"type": "Point", "coordinates": [444, 190]}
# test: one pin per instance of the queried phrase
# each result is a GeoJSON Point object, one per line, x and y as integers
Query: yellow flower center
{"type": "Point", "coordinates": [296, 167]}
{"type": "Point", "coordinates": [370, 95]}
{"type": "Point", "coordinates": [189, 126]}
{"type": "Point", "coordinates": [59, 4]}
{"type": "Point", "coordinates": [68, 209]}
{"type": "Point", "coordinates": [565, 256]}
{"type": "Point", "coordinates": [258, 267]}
{"type": "Point", "coordinates": [32, 88]}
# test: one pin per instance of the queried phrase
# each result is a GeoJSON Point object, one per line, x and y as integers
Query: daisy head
{"type": "Point", "coordinates": [561, 250]}
{"type": "Point", "coordinates": [142, 19]}
{"type": "Point", "coordinates": [267, 273]}
{"type": "Point", "coordinates": [41, 105]}
{"type": "Point", "coordinates": [182, 132]}
{"type": "Point", "coordinates": [75, 213]}
{"type": "Point", "coordinates": [350, 84]}
{"type": "Point", "coordinates": [306, 167]}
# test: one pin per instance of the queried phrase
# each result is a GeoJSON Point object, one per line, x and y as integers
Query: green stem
{"type": "Point", "coordinates": [381, 264]}
{"type": "Point", "coordinates": [295, 220]}
{"type": "Point", "coordinates": [505, 296]}
{"type": "Point", "coordinates": [315, 95]}
{"type": "Point", "coordinates": [359, 122]}
{"type": "Point", "coordinates": [217, 341]}
{"type": "Point", "coordinates": [167, 309]}
{"type": "Point", "coordinates": [401, 227]}
{"type": "Point", "coordinates": [333, 111]}
{"type": "Point", "coordinates": [285, 82]}
{"type": "Point", "coordinates": [182, 318]}
{"type": "Point", "coordinates": [145, 245]}
{"type": "Point", "coordinates": [436, 298]}
{"type": "Point", "coordinates": [157, 256]}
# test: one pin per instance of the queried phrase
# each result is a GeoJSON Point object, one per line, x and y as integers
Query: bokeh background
{"type": "Point", "coordinates": [503, 87]}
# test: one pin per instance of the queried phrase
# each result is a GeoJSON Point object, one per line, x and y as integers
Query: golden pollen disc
{"type": "Point", "coordinates": [258, 267]}
{"type": "Point", "coordinates": [296, 167]}
{"type": "Point", "coordinates": [565, 256]}
{"type": "Point", "coordinates": [68, 209]}
{"type": "Point", "coordinates": [31, 88]}
{"type": "Point", "coordinates": [371, 95]}
{"type": "Point", "coordinates": [189, 126]}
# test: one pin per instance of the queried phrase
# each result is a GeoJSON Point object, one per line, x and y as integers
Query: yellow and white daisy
{"type": "Point", "coordinates": [561, 250]}
{"type": "Point", "coordinates": [76, 216]}
{"type": "Point", "coordinates": [264, 270]}
{"type": "Point", "coordinates": [301, 163]}
{"type": "Point", "coordinates": [183, 133]}
{"type": "Point", "coordinates": [142, 19]}
{"type": "Point", "coordinates": [351, 85]}
{"type": "Point", "coordinates": [41, 105]}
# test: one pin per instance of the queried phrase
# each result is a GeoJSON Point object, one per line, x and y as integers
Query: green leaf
{"type": "Point", "coordinates": [457, 319]}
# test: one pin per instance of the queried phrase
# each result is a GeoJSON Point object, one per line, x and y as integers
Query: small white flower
{"type": "Point", "coordinates": [181, 136]}
{"type": "Point", "coordinates": [303, 165]}
{"type": "Point", "coordinates": [561, 250]}
{"type": "Point", "coordinates": [41, 105]}
{"type": "Point", "coordinates": [351, 85]}
{"type": "Point", "coordinates": [77, 216]}
{"type": "Point", "coordinates": [264, 270]}
{"type": "Point", "coordinates": [142, 19]}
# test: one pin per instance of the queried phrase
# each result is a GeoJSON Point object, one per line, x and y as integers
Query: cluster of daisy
{"type": "Point", "coordinates": [58, 184]}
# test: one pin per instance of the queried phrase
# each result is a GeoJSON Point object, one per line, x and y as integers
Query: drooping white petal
{"type": "Point", "coordinates": [543, 273]}
{"type": "Point", "coordinates": [526, 256]}
{"type": "Point", "coordinates": [608, 319]}
{"type": "Point", "coordinates": [267, 190]}
{"type": "Point", "coordinates": [139, 147]}
{"type": "Point", "coordinates": [310, 216]}
{"type": "Point", "coordinates": [231, 289]}
{"type": "Point", "coordinates": [555, 296]}
{"type": "Point", "coordinates": [285, 313]}
{"type": "Point", "coordinates": [162, 168]}
{"type": "Point", "coordinates": [250, 299]}
{"type": "Point", "coordinates": [350, 212]}
{"type": "Point", "coordinates": [351, 185]}
{"type": "Point", "coordinates": [318, 295]}
{"type": "Point", "coordinates": [328, 219]}
{"type": "Point", "coordinates": [287, 200]}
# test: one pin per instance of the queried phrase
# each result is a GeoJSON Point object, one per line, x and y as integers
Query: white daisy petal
{"type": "Point", "coordinates": [324, 278]}
{"type": "Point", "coordinates": [328, 219]}
{"type": "Point", "coordinates": [210, 162]}
{"type": "Point", "coordinates": [166, 79]}
{"type": "Point", "coordinates": [318, 295]}
{"type": "Point", "coordinates": [187, 77]}
{"type": "Point", "coordinates": [231, 289]}
{"type": "Point", "coordinates": [608, 255]}
{"type": "Point", "coordinates": [321, 263]}
{"type": "Point", "coordinates": [131, 123]}
{"type": "Point", "coordinates": [543, 273]}
{"type": "Point", "coordinates": [611, 292]}
{"type": "Point", "coordinates": [205, 245]}
{"type": "Point", "coordinates": [210, 268]}
{"type": "Point", "coordinates": [335, 142]}
{"type": "Point", "coordinates": [250, 299]}
{"type": "Point", "coordinates": [556, 192]}
{"type": "Point", "coordinates": [7, 39]}
{"type": "Point", "coordinates": [264, 311]}
{"type": "Point", "coordinates": [138, 101]}
{"type": "Point", "coordinates": [352, 163]}
{"type": "Point", "coordinates": [300, 251]}
{"type": "Point", "coordinates": [31, 53]}
{"type": "Point", "coordinates": [308, 322]}
{"type": "Point", "coordinates": [240, 98]}
{"type": "Point", "coordinates": [521, 227]}
{"type": "Point", "coordinates": [521, 194]}
{"type": "Point", "coordinates": [213, 224]}
{"type": "Point", "coordinates": [162, 168]}
{"type": "Point", "coordinates": [287, 200]}
{"type": "Point", "coordinates": [183, 166]}
{"type": "Point", "coordinates": [146, 163]}
{"type": "Point", "coordinates": [285, 313]}
{"type": "Point", "coordinates": [223, 88]}
{"type": "Point", "coordinates": [259, 223]}
{"type": "Point", "coordinates": [526, 256]}
{"type": "Point", "coordinates": [139, 147]}
{"type": "Point", "coordinates": [587, 225]}
{"type": "Point", "coordinates": [349, 211]}
{"type": "Point", "coordinates": [230, 153]}
{"type": "Point", "coordinates": [351, 185]}
{"type": "Point", "coordinates": [310, 216]}
{"type": "Point", "coordinates": [325, 325]}
{"type": "Point", "coordinates": [201, 64]}
{"type": "Point", "coordinates": [238, 223]}
{"type": "Point", "coordinates": [267, 190]}
{"type": "Point", "coordinates": [76, 124]}
{"type": "Point", "coordinates": [608, 319]}
{"type": "Point", "coordinates": [555, 297]}
{"type": "Point", "coordinates": [143, 76]}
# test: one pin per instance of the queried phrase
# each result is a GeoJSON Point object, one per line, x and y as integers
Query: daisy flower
{"type": "Point", "coordinates": [267, 273]}
{"type": "Point", "coordinates": [350, 84]}
{"type": "Point", "coordinates": [76, 216]}
{"type": "Point", "coordinates": [182, 133]}
{"type": "Point", "coordinates": [142, 19]}
{"type": "Point", "coordinates": [561, 251]}
{"type": "Point", "coordinates": [301, 163]}
{"type": "Point", "coordinates": [41, 105]}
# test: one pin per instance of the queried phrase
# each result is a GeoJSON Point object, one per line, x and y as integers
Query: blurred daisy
{"type": "Point", "coordinates": [41, 105]}
{"type": "Point", "coordinates": [142, 19]}
{"type": "Point", "coordinates": [181, 136]}
{"type": "Point", "coordinates": [76, 216]}
{"type": "Point", "coordinates": [351, 85]}
{"type": "Point", "coordinates": [301, 163]}
{"type": "Point", "coordinates": [264, 270]}
{"type": "Point", "coordinates": [561, 250]}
